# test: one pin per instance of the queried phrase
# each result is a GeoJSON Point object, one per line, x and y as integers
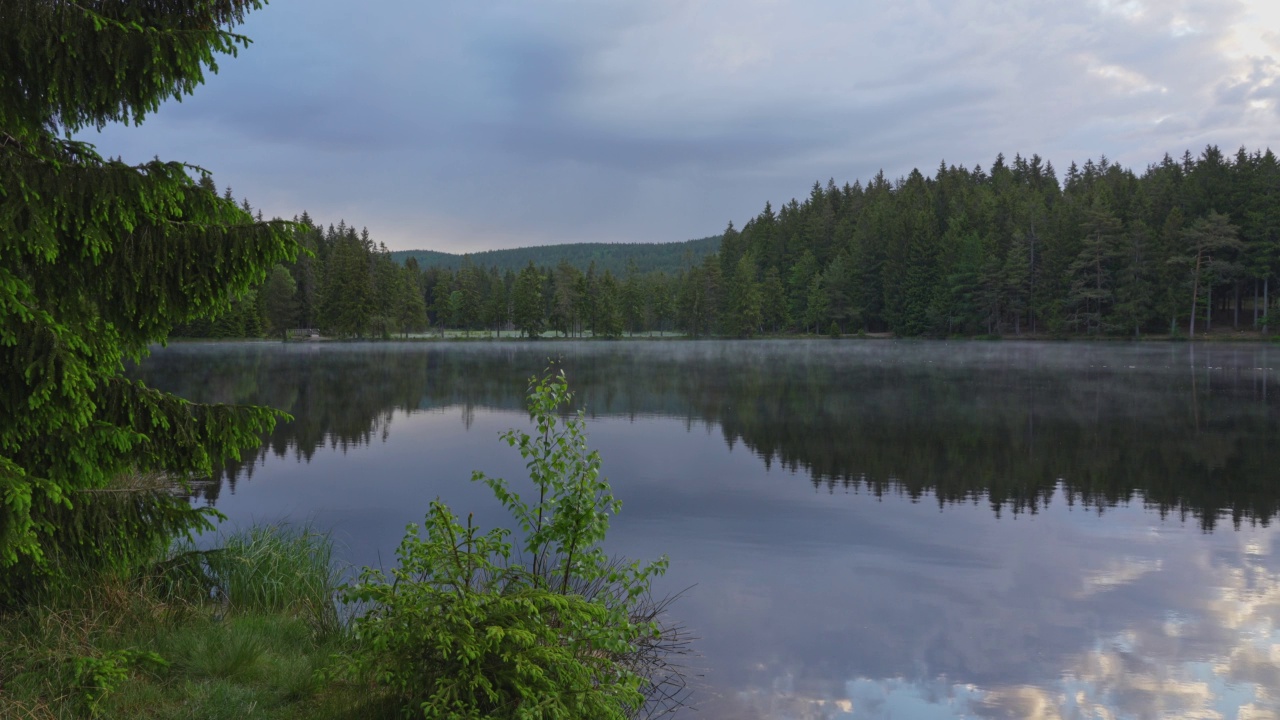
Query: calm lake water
{"type": "Point", "coordinates": [870, 529]}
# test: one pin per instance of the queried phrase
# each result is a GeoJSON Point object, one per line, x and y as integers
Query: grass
{"type": "Point", "coordinates": [247, 630]}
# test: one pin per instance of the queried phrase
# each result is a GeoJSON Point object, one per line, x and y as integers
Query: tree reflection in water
{"type": "Point", "coordinates": [1188, 430]}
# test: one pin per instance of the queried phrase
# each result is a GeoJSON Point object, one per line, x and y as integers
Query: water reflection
{"type": "Point", "coordinates": [1169, 636]}
{"type": "Point", "coordinates": [872, 529]}
{"type": "Point", "coordinates": [1187, 430]}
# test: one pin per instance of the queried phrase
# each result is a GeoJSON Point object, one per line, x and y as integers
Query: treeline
{"type": "Point", "coordinates": [350, 287]}
{"type": "Point", "coordinates": [344, 286]}
{"type": "Point", "coordinates": [1010, 250]}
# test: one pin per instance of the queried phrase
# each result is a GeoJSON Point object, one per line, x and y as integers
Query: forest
{"type": "Point", "coordinates": [1183, 247]}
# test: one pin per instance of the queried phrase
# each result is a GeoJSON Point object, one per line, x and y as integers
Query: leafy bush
{"type": "Point", "coordinates": [461, 630]}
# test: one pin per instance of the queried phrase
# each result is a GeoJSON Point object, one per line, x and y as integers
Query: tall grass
{"type": "Point", "coordinates": [277, 569]}
{"type": "Point", "coordinates": [198, 633]}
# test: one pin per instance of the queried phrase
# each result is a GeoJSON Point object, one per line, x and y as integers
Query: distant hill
{"type": "Point", "coordinates": [666, 257]}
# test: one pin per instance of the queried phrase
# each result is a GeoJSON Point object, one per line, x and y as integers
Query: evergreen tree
{"type": "Point", "coordinates": [817, 307]}
{"type": "Point", "coordinates": [706, 288]}
{"type": "Point", "coordinates": [1204, 245]}
{"type": "Point", "coordinates": [347, 298]}
{"type": "Point", "coordinates": [745, 314]}
{"type": "Point", "coordinates": [633, 300]}
{"type": "Point", "coordinates": [100, 259]}
{"type": "Point", "coordinates": [661, 301]}
{"type": "Point", "coordinates": [441, 300]}
{"type": "Point", "coordinates": [1092, 273]}
{"type": "Point", "coordinates": [799, 279]}
{"type": "Point", "coordinates": [1174, 288]}
{"type": "Point", "coordinates": [587, 292]}
{"type": "Point", "coordinates": [467, 303]}
{"type": "Point", "coordinates": [773, 302]}
{"type": "Point", "coordinates": [527, 302]}
{"type": "Point", "coordinates": [1135, 286]}
{"type": "Point", "coordinates": [839, 294]}
{"type": "Point", "coordinates": [281, 304]}
{"type": "Point", "coordinates": [1017, 279]}
{"type": "Point", "coordinates": [564, 306]}
{"type": "Point", "coordinates": [250, 310]}
{"type": "Point", "coordinates": [304, 271]}
{"type": "Point", "coordinates": [493, 302]}
{"type": "Point", "coordinates": [608, 308]}
{"type": "Point", "coordinates": [386, 289]}
{"type": "Point", "coordinates": [410, 306]}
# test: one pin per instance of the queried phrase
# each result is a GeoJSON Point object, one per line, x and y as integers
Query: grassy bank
{"type": "Point", "coordinates": [247, 630]}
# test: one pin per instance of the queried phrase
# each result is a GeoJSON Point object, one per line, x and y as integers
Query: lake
{"type": "Point", "coordinates": [870, 529]}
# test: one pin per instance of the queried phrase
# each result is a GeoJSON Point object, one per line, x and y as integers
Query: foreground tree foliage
{"type": "Point", "coordinates": [464, 628]}
{"type": "Point", "coordinates": [99, 259]}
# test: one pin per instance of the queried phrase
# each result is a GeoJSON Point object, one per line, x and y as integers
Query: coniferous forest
{"type": "Point", "coordinates": [1186, 246]}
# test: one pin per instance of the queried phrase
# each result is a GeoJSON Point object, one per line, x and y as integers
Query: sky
{"type": "Point", "coordinates": [469, 126]}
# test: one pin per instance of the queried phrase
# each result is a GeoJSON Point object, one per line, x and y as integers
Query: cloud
{"type": "Point", "coordinates": [464, 126]}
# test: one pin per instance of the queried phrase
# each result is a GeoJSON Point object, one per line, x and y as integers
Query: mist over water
{"type": "Point", "coordinates": [871, 528]}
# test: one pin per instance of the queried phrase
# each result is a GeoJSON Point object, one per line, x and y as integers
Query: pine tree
{"type": "Point", "coordinates": [526, 302]}
{"type": "Point", "coordinates": [99, 259]}
{"type": "Point", "coordinates": [1205, 244]}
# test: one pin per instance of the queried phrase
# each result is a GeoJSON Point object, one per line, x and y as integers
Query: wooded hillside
{"type": "Point", "coordinates": [649, 257]}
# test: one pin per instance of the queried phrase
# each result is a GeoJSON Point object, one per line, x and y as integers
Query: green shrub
{"type": "Point", "coordinates": [460, 630]}
{"type": "Point", "coordinates": [96, 676]}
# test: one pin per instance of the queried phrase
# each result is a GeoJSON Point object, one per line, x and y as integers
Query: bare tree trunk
{"type": "Point", "coordinates": [1031, 272]}
{"type": "Point", "coordinates": [1208, 313]}
{"type": "Point", "coordinates": [1235, 320]}
{"type": "Point", "coordinates": [1195, 291]}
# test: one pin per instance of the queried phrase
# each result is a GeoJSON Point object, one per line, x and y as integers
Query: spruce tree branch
{"type": "Point", "coordinates": [99, 19]}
